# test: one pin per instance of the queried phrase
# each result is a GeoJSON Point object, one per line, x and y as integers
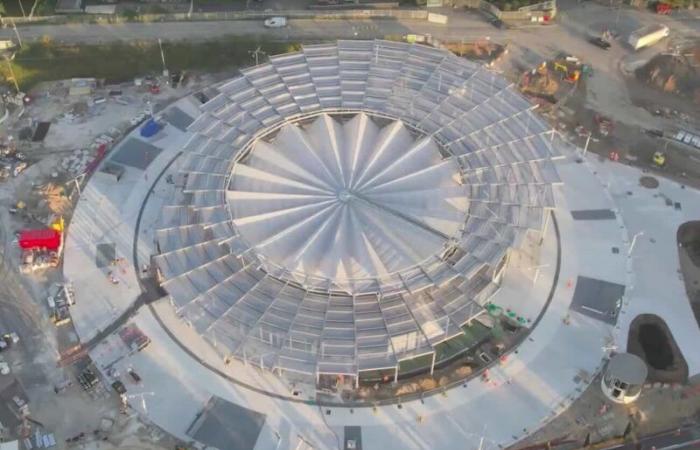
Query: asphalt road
{"type": "Point", "coordinates": [576, 19]}
{"type": "Point", "coordinates": [463, 25]}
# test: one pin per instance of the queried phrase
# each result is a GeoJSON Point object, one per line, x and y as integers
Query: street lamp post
{"type": "Point", "coordinates": [12, 73]}
{"type": "Point", "coordinates": [634, 241]}
{"type": "Point", "coordinates": [256, 54]}
{"type": "Point", "coordinates": [589, 138]}
{"type": "Point", "coordinates": [19, 39]}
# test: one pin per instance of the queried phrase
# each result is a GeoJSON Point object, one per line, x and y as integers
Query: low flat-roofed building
{"type": "Point", "coordinates": [69, 7]}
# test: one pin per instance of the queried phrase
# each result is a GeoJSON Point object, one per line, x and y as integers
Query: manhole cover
{"type": "Point", "coordinates": [649, 182]}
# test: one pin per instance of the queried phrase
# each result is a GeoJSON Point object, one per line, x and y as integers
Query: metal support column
{"type": "Point", "coordinates": [546, 225]}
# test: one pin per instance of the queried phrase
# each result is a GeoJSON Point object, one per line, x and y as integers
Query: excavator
{"type": "Point", "coordinates": [571, 76]}
{"type": "Point", "coordinates": [659, 159]}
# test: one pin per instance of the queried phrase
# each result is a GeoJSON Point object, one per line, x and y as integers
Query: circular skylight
{"type": "Point", "coordinates": [347, 200]}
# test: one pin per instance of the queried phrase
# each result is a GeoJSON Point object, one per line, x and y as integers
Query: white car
{"type": "Point", "coordinates": [275, 22]}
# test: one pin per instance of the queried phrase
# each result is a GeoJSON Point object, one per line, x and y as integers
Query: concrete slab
{"type": "Point", "coordinates": [178, 118]}
{"type": "Point", "coordinates": [227, 426]}
{"type": "Point", "coordinates": [599, 299]}
{"type": "Point", "coordinates": [105, 254]}
{"type": "Point", "coordinates": [135, 153]}
{"type": "Point", "coordinates": [593, 214]}
{"type": "Point", "coordinates": [353, 438]}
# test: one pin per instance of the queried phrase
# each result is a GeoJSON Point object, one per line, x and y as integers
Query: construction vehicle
{"type": "Point", "coordinates": [663, 9]}
{"type": "Point", "coordinates": [570, 75]}
{"type": "Point", "coordinates": [573, 76]}
{"type": "Point", "coordinates": [659, 159]}
{"type": "Point", "coordinates": [8, 340]}
{"type": "Point", "coordinates": [4, 368]}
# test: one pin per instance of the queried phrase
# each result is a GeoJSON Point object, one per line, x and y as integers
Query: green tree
{"type": "Point", "coordinates": [129, 14]}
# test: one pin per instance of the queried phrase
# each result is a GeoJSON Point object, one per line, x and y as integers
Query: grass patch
{"type": "Point", "coordinates": [119, 62]}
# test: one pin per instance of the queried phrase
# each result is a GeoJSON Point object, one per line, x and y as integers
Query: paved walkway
{"type": "Point", "coordinates": [531, 387]}
{"type": "Point", "coordinates": [657, 286]}
{"type": "Point", "coordinates": [535, 384]}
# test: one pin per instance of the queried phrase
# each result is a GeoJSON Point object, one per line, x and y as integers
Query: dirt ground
{"type": "Point", "coordinates": [660, 407]}
{"type": "Point", "coordinates": [45, 187]}
{"type": "Point", "coordinates": [674, 73]}
{"type": "Point", "coordinates": [689, 254]}
{"type": "Point", "coordinates": [635, 108]}
{"type": "Point", "coordinates": [652, 340]}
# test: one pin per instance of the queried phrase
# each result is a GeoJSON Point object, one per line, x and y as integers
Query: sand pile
{"type": "Point", "coordinates": [672, 73]}
{"type": "Point", "coordinates": [55, 198]}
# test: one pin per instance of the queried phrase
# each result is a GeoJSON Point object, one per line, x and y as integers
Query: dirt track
{"type": "Point", "coordinates": [689, 255]}
{"type": "Point", "coordinates": [652, 340]}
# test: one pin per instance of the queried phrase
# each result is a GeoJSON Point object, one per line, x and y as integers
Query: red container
{"type": "Point", "coordinates": [38, 239]}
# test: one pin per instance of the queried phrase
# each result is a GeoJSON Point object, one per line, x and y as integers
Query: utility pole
{"type": "Point", "coordinates": [634, 241]}
{"type": "Point", "coordinates": [21, 7]}
{"type": "Point", "coordinates": [162, 58]}
{"type": "Point", "coordinates": [12, 73]}
{"type": "Point", "coordinates": [481, 440]}
{"type": "Point", "coordinates": [256, 54]}
{"type": "Point", "coordinates": [19, 39]}
{"type": "Point", "coordinates": [588, 141]}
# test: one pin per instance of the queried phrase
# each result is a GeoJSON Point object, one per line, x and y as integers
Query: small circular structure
{"type": "Point", "coordinates": [623, 378]}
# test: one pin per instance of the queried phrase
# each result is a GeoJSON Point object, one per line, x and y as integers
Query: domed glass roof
{"type": "Point", "coordinates": [346, 207]}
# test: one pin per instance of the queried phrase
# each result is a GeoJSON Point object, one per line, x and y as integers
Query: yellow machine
{"type": "Point", "coordinates": [659, 159]}
{"type": "Point", "coordinates": [570, 75]}
{"type": "Point", "coordinates": [561, 67]}
{"type": "Point", "coordinates": [58, 224]}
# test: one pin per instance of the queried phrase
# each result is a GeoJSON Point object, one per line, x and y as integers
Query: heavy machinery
{"type": "Point", "coordinates": [659, 159]}
{"type": "Point", "coordinates": [570, 75]}
{"type": "Point", "coordinates": [7, 340]}
{"type": "Point", "coordinates": [663, 9]}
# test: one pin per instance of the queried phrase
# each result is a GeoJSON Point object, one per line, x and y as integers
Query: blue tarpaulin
{"type": "Point", "coordinates": [150, 128]}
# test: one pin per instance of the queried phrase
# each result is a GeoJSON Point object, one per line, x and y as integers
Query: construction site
{"type": "Point", "coordinates": [326, 246]}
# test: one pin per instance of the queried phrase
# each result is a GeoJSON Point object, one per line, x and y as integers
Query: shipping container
{"type": "Point", "coordinates": [39, 239]}
{"type": "Point", "coordinates": [647, 36]}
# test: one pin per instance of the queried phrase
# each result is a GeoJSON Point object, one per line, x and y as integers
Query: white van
{"type": "Point", "coordinates": [275, 22]}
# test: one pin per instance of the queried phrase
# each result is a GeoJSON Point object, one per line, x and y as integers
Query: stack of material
{"type": "Point", "coordinates": [59, 299]}
{"type": "Point", "coordinates": [76, 162]}
{"type": "Point", "coordinates": [55, 197]}
{"type": "Point", "coordinates": [42, 440]}
{"type": "Point", "coordinates": [672, 73]}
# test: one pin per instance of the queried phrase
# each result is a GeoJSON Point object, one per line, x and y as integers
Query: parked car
{"type": "Point", "coordinates": [275, 22]}
{"type": "Point", "coordinates": [8, 340]}
{"type": "Point", "coordinates": [654, 133]}
{"type": "Point", "coordinates": [600, 42]}
{"type": "Point", "coordinates": [119, 387]}
{"type": "Point", "coordinates": [496, 22]}
{"type": "Point", "coordinates": [134, 376]}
